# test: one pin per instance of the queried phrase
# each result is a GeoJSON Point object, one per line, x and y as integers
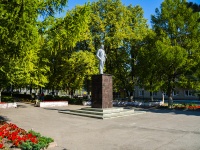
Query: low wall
{"type": "Point", "coordinates": [143, 104]}
{"type": "Point", "coordinates": [149, 104]}
{"type": "Point", "coordinates": [8, 105]}
{"type": "Point", "coordinates": [53, 104]}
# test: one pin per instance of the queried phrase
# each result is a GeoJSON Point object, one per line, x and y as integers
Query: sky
{"type": "Point", "coordinates": [148, 6]}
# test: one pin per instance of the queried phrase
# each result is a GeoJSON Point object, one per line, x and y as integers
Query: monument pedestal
{"type": "Point", "coordinates": [102, 91]}
{"type": "Point", "coordinates": [102, 101]}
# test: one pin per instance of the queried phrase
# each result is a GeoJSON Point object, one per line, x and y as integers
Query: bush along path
{"type": "Point", "coordinates": [12, 137]}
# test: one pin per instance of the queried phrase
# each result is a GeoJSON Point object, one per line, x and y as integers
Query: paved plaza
{"type": "Point", "coordinates": [153, 130]}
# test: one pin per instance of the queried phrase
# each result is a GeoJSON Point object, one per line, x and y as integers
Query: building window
{"type": "Point", "coordinates": [154, 93]}
{"type": "Point", "coordinates": [164, 93]}
{"type": "Point", "coordinates": [175, 93]}
{"type": "Point", "coordinates": [189, 93]}
{"type": "Point", "coordinates": [141, 93]}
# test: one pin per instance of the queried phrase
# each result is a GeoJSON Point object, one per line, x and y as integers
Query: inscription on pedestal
{"type": "Point", "coordinates": [102, 91]}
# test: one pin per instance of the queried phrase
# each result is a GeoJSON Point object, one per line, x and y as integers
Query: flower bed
{"type": "Point", "coordinates": [194, 107]}
{"type": "Point", "coordinates": [12, 136]}
{"type": "Point", "coordinates": [183, 107]}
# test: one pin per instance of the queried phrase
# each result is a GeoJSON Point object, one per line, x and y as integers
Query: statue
{"type": "Point", "coordinates": [101, 55]}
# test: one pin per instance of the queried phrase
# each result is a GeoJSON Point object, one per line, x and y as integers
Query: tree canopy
{"type": "Point", "coordinates": [177, 27]}
{"type": "Point", "coordinates": [59, 53]}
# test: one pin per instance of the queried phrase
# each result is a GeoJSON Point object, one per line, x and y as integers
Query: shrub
{"type": "Point", "coordinates": [7, 99]}
{"type": "Point", "coordinates": [76, 101]}
{"type": "Point", "coordinates": [43, 142]}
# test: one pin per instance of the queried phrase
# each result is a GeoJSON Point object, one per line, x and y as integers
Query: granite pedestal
{"type": "Point", "coordinates": [102, 101]}
{"type": "Point", "coordinates": [102, 91]}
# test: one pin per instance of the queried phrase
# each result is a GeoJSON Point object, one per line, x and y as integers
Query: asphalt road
{"type": "Point", "coordinates": [154, 130]}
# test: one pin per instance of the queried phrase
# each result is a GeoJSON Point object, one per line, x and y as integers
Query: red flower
{"type": "Point", "coordinates": [1, 145]}
{"type": "Point", "coordinates": [34, 140]}
{"type": "Point", "coordinates": [1, 134]}
{"type": "Point", "coordinates": [15, 134]}
{"type": "Point", "coordinates": [16, 143]}
{"type": "Point", "coordinates": [30, 135]}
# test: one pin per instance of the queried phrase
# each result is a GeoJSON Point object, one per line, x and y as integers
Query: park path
{"type": "Point", "coordinates": [154, 130]}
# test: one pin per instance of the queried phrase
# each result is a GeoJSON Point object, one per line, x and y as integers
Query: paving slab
{"type": "Point", "coordinates": [154, 130]}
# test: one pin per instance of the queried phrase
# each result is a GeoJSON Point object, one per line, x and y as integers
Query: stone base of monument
{"type": "Point", "coordinates": [100, 113]}
{"type": "Point", "coordinates": [102, 91]}
{"type": "Point", "coordinates": [102, 103]}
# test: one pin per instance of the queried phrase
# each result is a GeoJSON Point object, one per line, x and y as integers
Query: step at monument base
{"type": "Point", "coordinates": [105, 113]}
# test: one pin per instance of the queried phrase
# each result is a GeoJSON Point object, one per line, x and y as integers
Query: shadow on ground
{"type": "Point", "coordinates": [56, 109]}
{"type": "Point", "coordinates": [3, 118]}
{"type": "Point", "coordinates": [172, 111]}
{"type": "Point", "coordinates": [152, 110]}
{"type": "Point", "coordinates": [21, 106]}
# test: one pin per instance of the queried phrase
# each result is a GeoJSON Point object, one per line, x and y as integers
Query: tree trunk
{"type": "Point", "coordinates": [31, 89]}
{"type": "Point", "coordinates": [40, 90]}
{"type": "Point", "coordinates": [0, 94]}
{"type": "Point", "coordinates": [151, 94]}
{"type": "Point", "coordinates": [71, 93]}
{"type": "Point", "coordinates": [170, 102]}
{"type": "Point", "coordinates": [130, 96]}
{"type": "Point", "coordinates": [88, 88]}
{"type": "Point", "coordinates": [163, 98]}
{"type": "Point", "coordinates": [53, 91]}
{"type": "Point", "coordinates": [169, 93]}
{"type": "Point", "coordinates": [36, 93]}
{"type": "Point", "coordinates": [170, 99]}
{"type": "Point", "coordinates": [11, 90]}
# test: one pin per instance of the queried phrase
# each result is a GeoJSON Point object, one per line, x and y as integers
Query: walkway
{"type": "Point", "coordinates": [154, 130]}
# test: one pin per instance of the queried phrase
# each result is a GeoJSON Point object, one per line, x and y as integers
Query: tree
{"type": "Point", "coordinates": [133, 43]}
{"type": "Point", "coordinates": [194, 6]}
{"type": "Point", "coordinates": [19, 38]}
{"type": "Point", "coordinates": [62, 37]}
{"type": "Point", "coordinates": [178, 45]}
{"type": "Point", "coordinates": [148, 65]}
{"type": "Point", "coordinates": [79, 67]}
{"type": "Point", "coordinates": [120, 28]}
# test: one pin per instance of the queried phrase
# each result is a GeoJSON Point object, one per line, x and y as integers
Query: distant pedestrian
{"type": "Point", "coordinates": [42, 96]}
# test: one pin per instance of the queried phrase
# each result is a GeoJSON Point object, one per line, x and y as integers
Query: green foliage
{"type": "Point", "coordinates": [51, 97]}
{"type": "Point", "coordinates": [195, 7]}
{"type": "Point", "coordinates": [75, 101]}
{"type": "Point", "coordinates": [120, 28]}
{"type": "Point", "coordinates": [59, 53]}
{"type": "Point", "coordinates": [177, 44]}
{"type": "Point", "coordinates": [34, 133]}
{"type": "Point", "coordinates": [76, 25]}
{"type": "Point", "coordinates": [79, 67]}
{"type": "Point", "coordinates": [48, 97]}
{"type": "Point", "coordinates": [148, 64]}
{"type": "Point", "coordinates": [7, 99]}
{"type": "Point", "coordinates": [50, 7]}
{"type": "Point", "coordinates": [62, 36]}
{"type": "Point", "coordinates": [20, 41]}
{"type": "Point", "coordinates": [27, 145]}
{"type": "Point", "coordinates": [43, 142]}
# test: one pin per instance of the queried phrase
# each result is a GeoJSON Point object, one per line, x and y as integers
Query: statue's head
{"type": "Point", "coordinates": [102, 46]}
